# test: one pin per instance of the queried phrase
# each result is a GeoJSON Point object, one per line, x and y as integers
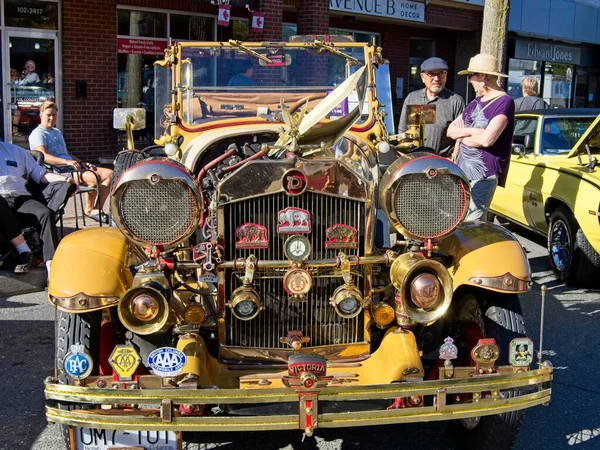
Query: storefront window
{"type": "Point", "coordinates": [558, 81]}
{"type": "Point", "coordinates": [192, 28]}
{"type": "Point", "coordinates": [31, 14]}
{"type": "Point", "coordinates": [141, 23]}
{"type": "Point", "coordinates": [519, 69]}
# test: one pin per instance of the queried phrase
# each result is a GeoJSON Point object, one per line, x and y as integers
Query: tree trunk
{"type": "Point", "coordinates": [133, 72]}
{"type": "Point", "coordinates": [495, 25]}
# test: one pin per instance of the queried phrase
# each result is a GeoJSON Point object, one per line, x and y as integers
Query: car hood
{"type": "Point", "coordinates": [591, 137]}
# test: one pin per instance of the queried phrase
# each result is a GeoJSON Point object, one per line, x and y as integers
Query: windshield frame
{"type": "Point", "coordinates": [184, 91]}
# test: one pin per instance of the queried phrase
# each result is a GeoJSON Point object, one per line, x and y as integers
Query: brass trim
{"type": "Point", "coordinates": [144, 420]}
{"type": "Point", "coordinates": [357, 350]}
{"type": "Point", "coordinates": [81, 303]}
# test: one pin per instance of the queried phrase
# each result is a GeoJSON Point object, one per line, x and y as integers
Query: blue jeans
{"type": "Point", "coordinates": [482, 192]}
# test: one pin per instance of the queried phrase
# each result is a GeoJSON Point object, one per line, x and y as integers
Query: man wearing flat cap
{"type": "Point", "coordinates": [449, 105]}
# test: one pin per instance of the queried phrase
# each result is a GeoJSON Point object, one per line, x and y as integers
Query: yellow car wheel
{"type": "Point", "coordinates": [572, 258]}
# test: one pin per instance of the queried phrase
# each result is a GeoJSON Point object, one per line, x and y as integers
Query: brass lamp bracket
{"type": "Point", "coordinates": [249, 274]}
{"type": "Point", "coordinates": [345, 267]}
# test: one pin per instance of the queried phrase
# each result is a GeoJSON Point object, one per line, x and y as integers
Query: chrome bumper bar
{"type": "Point", "coordinates": [485, 393]}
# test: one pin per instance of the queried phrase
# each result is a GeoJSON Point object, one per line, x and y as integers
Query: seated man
{"type": "Point", "coordinates": [49, 140]}
{"type": "Point", "coordinates": [18, 206]}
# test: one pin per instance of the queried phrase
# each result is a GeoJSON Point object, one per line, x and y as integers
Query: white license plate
{"type": "Point", "coordinates": [93, 439]}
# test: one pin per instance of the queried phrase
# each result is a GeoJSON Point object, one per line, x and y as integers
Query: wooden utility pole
{"type": "Point", "coordinates": [495, 28]}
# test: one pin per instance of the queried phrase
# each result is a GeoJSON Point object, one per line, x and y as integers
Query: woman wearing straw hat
{"type": "Point", "coordinates": [484, 134]}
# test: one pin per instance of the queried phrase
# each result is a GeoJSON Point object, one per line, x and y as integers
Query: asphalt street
{"type": "Point", "coordinates": [571, 343]}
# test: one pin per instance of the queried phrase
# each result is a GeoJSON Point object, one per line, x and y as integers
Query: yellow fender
{"type": "Point", "coordinates": [93, 262]}
{"type": "Point", "coordinates": [484, 251]}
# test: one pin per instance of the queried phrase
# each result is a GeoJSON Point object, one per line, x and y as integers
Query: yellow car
{"type": "Point", "coordinates": [251, 282]}
{"type": "Point", "coordinates": [553, 187]}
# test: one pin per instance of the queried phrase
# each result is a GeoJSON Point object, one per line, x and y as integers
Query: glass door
{"type": "Point", "coordinates": [30, 78]}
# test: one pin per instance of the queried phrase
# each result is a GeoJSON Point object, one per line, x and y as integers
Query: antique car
{"type": "Point", "coordinates": [553, 187]}
{"type": "Point", "coordinates": [264, 275]}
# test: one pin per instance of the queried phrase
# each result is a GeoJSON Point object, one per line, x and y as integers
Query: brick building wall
{"type": "Point", "coordinates": [89, 30]}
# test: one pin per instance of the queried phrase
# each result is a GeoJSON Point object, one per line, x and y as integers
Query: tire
{"type": "Point", "coordinates": [124, 161]}
{"type": "Point", "coordinates": [573, 259]}
{"type": "Point", "coordinates": [75, 329]}
{"type": "Point", "coordinates": [501, 318]}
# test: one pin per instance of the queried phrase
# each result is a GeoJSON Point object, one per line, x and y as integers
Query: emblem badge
{"type": "Point", "coordinates": [297, 282]}
{"type": "Point", "coordinates": [294, 182]}
{"type": "Point", "coordinates": [520, 352]}
{"type": "Point", "coordinates": [341, 236]}
{"type": "Point", "coordinates": [293, 220]}
{"type": "Point", "coordinates": [448, 350]}
{"type": "Point", "coordinates": [485, 354]}
{"type": "Point", "coordinates": [208, 277]}
{"type": "Point", "coordinates": [78, 363]}
{"type": "Point", "coordinates": [166, 361]}
{"type": "Point", "coordinates": [124, 360]}
{"type": "Point", "coordinates": [297, 248]}
{"type": "Point", "coordinates": [299, 363]}
{"type": "Point", "coordinates": [251, 235]}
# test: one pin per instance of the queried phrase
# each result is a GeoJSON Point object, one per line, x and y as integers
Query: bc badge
{"type": "Point", "coordinates": [166, 361]}
{"type": "Point", "coordinates": [78, 363]}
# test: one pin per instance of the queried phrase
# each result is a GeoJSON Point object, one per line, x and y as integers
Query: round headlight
{"type": "Point", "coordinates": [347, 301]}
{"type": "Point", "coordinates": [425, 290]}
{"type": "Point", "coordinates": [144, 307]}
{"type": "Point", "coordinates": [424, 196]}
{"type": "Point", "coordinates": [245, 303]}
{"type": "Point", "coordinates": [156, 203]}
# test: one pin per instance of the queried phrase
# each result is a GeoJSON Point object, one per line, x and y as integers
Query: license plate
{"type": "Point", "coordinates": [94, 439]}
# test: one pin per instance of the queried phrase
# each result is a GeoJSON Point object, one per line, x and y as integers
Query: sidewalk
{"type": "Point", "coordinates": [36, 280]}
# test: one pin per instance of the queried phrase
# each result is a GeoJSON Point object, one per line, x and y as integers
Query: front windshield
{"type": "Point", "coordinates": [224, 82]}
{"type": "Point", "coordinates": [560, 134]}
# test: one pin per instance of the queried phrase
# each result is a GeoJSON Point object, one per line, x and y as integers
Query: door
{"type": "Point", "coordinates": [510, 200]}
{"type": "Point", "coordinates": [31, 76]}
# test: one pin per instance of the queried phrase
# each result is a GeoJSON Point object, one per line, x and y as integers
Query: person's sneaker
{"type": "Point", "coordinates": [26, 263]}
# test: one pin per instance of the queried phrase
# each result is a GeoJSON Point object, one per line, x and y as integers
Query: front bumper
{"type": "Point", "coordinates": [482, 395]}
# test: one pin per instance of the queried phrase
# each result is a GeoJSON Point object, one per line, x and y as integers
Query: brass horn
{"type": "Point", "coordinates": [425, 287]}
{"type": "Point", "coordinates": [143, 310]}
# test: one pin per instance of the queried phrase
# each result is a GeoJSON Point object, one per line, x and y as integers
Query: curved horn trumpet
{"type": "Point", "coordinates": [425, 287]}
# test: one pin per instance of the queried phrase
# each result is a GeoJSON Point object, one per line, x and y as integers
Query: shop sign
{"type": "Point", "coordinates": [141, 46]}
{"type": "Point", "coordinates": [393, 9]}
{"type": "Point", "coordinates": [541, 51]}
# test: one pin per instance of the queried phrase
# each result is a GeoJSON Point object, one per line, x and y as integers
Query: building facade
{"type": "Point", "coordinates": [556, 41]}
{"type": "Point", "coordinates": [91, 56]}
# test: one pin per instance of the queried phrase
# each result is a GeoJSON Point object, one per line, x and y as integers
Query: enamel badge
{"type": "Point", "coordinates": [293, 220]}
{"type": "Point", "coordinates": [520, 351]}
{"type": "Point", "coordinates": [341, 236]}
{"type": "Point", "coordinates": [251, 235]}
{"type": "Point", "coordinates": [448, 350]}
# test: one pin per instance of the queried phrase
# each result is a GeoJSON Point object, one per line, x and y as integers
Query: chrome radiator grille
{"type": "Point", "coordinates": [315, 317]}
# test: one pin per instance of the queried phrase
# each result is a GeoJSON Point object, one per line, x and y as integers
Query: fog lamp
{"type": "Point", "coordinates": [245, 303]}
{"type": "Point", "coordinates": [194, 314]}
{"type": "Point", "coordinates": [347, 301]}
{"type": "Point", "coordinates": [425, 290]}
{"type": "Point", "coordinates": [383, 314]}
{"type": "Point", "coordinates": [144, 307]}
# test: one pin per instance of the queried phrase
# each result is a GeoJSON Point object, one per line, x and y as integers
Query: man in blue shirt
{"type": "Point", "coordinates": [244, 77]}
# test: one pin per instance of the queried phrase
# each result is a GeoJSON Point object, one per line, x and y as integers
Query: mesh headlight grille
{"type": "Point", "coordinates": [430, 207]}
{"type": "Point", "coordinates": [160, 213]}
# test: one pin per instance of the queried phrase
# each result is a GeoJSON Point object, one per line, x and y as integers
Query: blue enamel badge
{"type": "Point", "coordinates": [78, 363]}
{"type": "Point", "coordinates": [166, 361]}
